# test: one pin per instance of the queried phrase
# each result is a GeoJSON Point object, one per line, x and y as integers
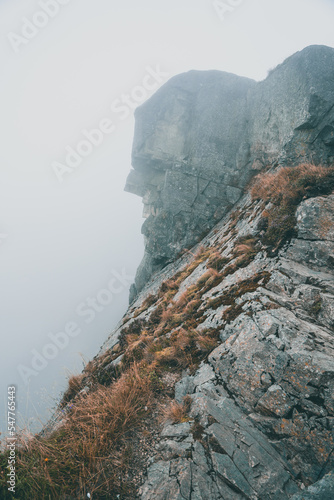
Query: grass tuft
{"type": "Point", "coordinates": [88, 453]}
{"type": "Point", "coordinates": [285, 189]}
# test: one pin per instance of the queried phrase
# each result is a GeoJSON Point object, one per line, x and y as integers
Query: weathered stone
{"type": "Point", "coordinates": [226, 469]}
{"type": "Point", "coordinates": [172, 449]}
{"type": "Point", "coordinates": [329, 397]}
{"type": "Point", "coordinates": [203, 375]}
{"type": "Point", "coordinates": [226, 492]}
{"type": "Point", "coordinates": [324, 307]}
{"type": "Point", "coordinates": [315, 219]}
{"type": "Point", "coordinates": [210, 390]}
{"type": "Point", "coordinates": [184, 387]}
{"type": "Point", "coordinates": [312, 449]}
{"type": "Point", "coordinates": [199, 456]}
{"type": "Point", "coordinates": [159, 485]}
{"type": "Point", "coordinates": [275, 402]}
{"type": "Point", "coordinates": [262, 401]}
{"type": "Point", "coordinates": [176, 431]}
{"type": "Point", "coordinates": [321, 490]}
{"type": "Point", "coordinates": [245, 360]}
{"type": "Point", "coordinates": [224, 437]}
{"type": "Point", "coordinates": [203, 487]}
{"type": "Point", "coordinates": [267, 324]}
{"type": "Point", "coordinates": [181, 469]}
{"type": "Point", "coordinates": [317, 254]}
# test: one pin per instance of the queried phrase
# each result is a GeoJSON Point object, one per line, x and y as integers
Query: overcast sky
{"type": "Point", "coordinates": [62, 242]}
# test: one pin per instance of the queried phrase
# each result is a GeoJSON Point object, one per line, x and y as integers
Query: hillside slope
{"type": "Point", "coordinates": [260, 419]}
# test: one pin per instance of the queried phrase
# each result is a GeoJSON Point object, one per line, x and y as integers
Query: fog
{"type": "Point", "coordinates": [70, 238]}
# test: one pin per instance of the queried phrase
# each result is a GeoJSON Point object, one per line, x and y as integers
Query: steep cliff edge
{"type": "Point", "coordinates": [218, 383]}
{"type": "Point", "coordinates": [200, 139]}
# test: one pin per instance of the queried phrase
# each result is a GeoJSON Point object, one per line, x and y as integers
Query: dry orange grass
{"type": "Point", "coordinates": [74, 386]}
{"type": "Point", "coordinates": [286, 188]}
{"type": "Point", "coordinates": [177, 412]}
{"type": "Point", "coordinates": [242, 249]}
{"type": "Point", "coordinates": [87, 453]}
{"type": "Point", "coordinates": [183, 300]}
{"type": "Point", "coordinates": [206, 343]}
{"type": "Point", "coordinates": [192, 306]}
{"type": "Point", "coordinates": [290, 183]}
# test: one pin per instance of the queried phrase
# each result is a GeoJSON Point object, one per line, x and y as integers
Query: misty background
{"type": "Point", "coordinates": [61, 242]}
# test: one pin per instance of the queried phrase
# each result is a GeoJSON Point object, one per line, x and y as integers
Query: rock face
{"type": "Point", "coordinates": [189, 137]}
{"type": "Point", "coordinates": [203, 135]}
{"type": "Point", "coordinates": [260, 421]}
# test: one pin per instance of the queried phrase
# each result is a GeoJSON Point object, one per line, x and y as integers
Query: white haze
{"type": "Point", "coordinates": [64, 240]}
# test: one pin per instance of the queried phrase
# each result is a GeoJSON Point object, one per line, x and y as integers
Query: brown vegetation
{"type": "Point", "coordinates": [285, 189]}
{"type": "Point", "coordinates": [88, 454]}
{"type": "Point", "coordinates": [177, 412]}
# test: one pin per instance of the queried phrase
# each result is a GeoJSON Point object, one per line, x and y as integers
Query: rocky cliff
{"type": "Point", "coordinates": [200, 139]}
{"type": "Point", "coordinates": [254, 301]}
{"type": "Point", "coordinates": [218, 383]}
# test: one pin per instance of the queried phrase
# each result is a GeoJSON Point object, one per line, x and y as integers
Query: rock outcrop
{"type": "Point", "coordinates": [260, 421]}
{"type": "Point", "coordinates": [200, 139]}
{"type": "Point", "coordinates": [261, 418]}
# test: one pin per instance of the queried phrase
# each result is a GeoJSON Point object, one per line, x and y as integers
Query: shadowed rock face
{"type": "Point", "coordinates": [203, 135]}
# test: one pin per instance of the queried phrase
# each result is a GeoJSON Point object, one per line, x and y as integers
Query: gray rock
{"type": "Point", "coordinates": [226, 492]}
{"type": "Point", "coordinates": [262, 402]}
{"type": "Point", "coordinates": [203, 375]}
{"type": "Point", "coordinates": [172, 449]}
{"type": "Point", "coordinates": [184, 387]}
{"type": "Point", "coordinates": [176, 430]}
{"type": "Point", "coordinates": [203, 486]}
{"type": "Point", "coordinates": [224, 436]}
{"type": "Point", "coordinates": [321, 490]}
{"type": "Point", "coordinates": [204, 134]}
{"type": "Point", "coordinates": [315, 219]}
{"type": "Point", "coordinates": [275, 402]}
{"type": "Point", "coordinates": [234, 436]}
{"type": "Point", "coordinates": [159, 485]}
{"type": "Point", "coordinates": [181, 469]}
{"type": "Point", "coordinates": [317, 254]}
{"type": "Point", "coordinates": [199, 456]}
{"type": "Point", "coordinates": [227, 470]}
